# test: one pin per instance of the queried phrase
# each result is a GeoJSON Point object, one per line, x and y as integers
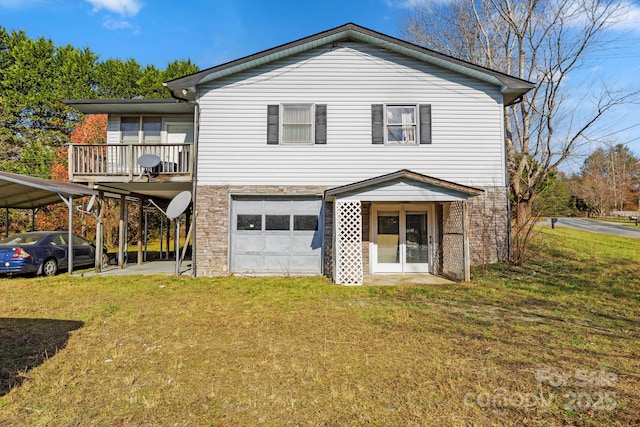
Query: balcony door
{"type": "Point", "coordinates": [180, 133]}
{"type": "Point", "coordinates": [402, 236]}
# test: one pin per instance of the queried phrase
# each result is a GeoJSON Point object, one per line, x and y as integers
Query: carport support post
{"type": "Point", "coordinates": [121, 232]}
{"type": "Point", "coordinates": [70, 242]}
{"type": "Point", "coordinates": [6, 218]}
{"type": "Point", "coordinates": [69, 204]}
{"type": "Point", "coordinates": [168, 238]}
{"type": "Point", "coordinates": [99, 235]}
{"type": "Point", "coordinates": [141, 208]}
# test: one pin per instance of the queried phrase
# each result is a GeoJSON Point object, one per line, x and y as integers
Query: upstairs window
{"type": "Point", "coordinates": [136, 130]}
{"type": "Point", "coordinates": [297, 124]}
{"type": "Point", "coordinates": [401, 124]}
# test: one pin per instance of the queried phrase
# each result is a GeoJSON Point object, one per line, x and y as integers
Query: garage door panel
{"type": "Point", "coordinates": [249, 243]}
{"type": "Point", "coordinates": [307, 206]}
{"type": "Point", "coordinates": [279, 264]}
{"type": "Point", "coordinates": [303, 243]}
{"type": "Point", "coordinates": [248, 206]}
{"type": "Point", "coordinates": [307, 264]}
{"type": "Point", "coordinates": [277, 243]}
{"type": "Point", "coordinates": [248, 263]}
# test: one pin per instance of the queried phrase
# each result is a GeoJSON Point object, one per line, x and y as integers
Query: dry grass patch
{"type": "Point", "coordinates": [515, 347]}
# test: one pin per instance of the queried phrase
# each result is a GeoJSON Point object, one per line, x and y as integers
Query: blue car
{"type": "Point", "coordinates": [44, 253]}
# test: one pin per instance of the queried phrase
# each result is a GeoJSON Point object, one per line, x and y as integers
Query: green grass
{"type": "Point", "coordinates": [166, 351]}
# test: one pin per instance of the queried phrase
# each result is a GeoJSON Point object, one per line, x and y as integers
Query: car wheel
{"type": "Point", "coordinates": [50, 267]}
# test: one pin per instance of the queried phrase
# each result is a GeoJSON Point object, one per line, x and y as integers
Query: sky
{"type": "Point", "coordinates": [212, 32]}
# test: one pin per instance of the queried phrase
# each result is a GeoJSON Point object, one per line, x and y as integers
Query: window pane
{"type": "Point", "coordinates": [277, 222]}
{"type": "Point", "coordinates": [129, 127]}
{"type": "Point", "coordinates": [249, 222]}
{"type": "Point", "coordinates": [296, 114]}
{"type": "Point", "coordinates": [151, 127]}
{"type": "Point", "coordinates": [401, 115]}
{"type": "Point", "coordinates": [305, 222]}
{"type": "Point", "coordinates": [296, 133]}
{"type": "Point", "coordinates": [416, 241]}
{"type": "Point", "coordinates": [388, 237]}
{"type": "Point", "coordinates": [401, 134]}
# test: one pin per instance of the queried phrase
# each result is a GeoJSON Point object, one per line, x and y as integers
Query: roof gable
{"type": "Point", "coordinates": [511, 87]}
{"type": "Point", "coordinates": [407, 177]}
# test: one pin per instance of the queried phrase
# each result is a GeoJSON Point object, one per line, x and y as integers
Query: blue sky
{"type": "Point", "coordinates": [211, 32]}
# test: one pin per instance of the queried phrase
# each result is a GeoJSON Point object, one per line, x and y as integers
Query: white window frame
{"type": "Point", "coordinates": [416, 125]}
{"type": "Point", "coordinates": [312, 118]}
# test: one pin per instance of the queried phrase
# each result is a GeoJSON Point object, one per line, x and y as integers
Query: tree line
{"type": "Point", "coordinates": [607, 184]}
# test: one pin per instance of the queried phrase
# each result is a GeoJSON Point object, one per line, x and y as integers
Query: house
{"type": "Point", "coordinates": [345, 153]}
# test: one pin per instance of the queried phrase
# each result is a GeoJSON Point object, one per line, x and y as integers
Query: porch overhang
{"type": "Point", "coordinates": [403, 185]}
{"type": "Point", "coordinates": [131, 106]}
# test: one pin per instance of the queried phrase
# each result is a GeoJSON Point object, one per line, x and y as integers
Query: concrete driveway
{"type": "Point", "coordinates": [599, 227]}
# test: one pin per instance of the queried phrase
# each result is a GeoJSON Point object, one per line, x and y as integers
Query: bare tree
{"type": "Point", "coordinates": [608, 180]}
{"type": "Point", "coordinates": [543, 41]}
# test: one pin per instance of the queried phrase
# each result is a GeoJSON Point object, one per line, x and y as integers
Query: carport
{"type": "Point", "coordinates": [28, 192]}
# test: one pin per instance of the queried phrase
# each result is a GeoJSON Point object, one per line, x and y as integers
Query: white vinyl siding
{"type": "Point", "coordinates": [467, 145]}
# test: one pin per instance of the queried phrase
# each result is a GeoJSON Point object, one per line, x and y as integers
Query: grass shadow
{"type": "Point", "coordinates": [27, 343]}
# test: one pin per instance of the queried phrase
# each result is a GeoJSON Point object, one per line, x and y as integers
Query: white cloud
{"type": "Point", "coordinates": [623, 15]}
{"type": "Point", "coordinates": [630, 19]}
{"type": "Point", "coordinates": [113, 24]}
{"type": "Point", "coordinates": [121, 7]}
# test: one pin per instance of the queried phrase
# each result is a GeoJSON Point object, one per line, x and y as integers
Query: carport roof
{"type": "Point", "coordinates": [28, 192]}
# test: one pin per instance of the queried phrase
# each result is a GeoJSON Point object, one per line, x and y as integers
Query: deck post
{"type": "Point", "coordinates": [99, 233]}
{"type": "Point", "coordinates": [121, 242]}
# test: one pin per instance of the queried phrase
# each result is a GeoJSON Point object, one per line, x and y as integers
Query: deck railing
{"type": "Point", "coordinates": [121, 160]}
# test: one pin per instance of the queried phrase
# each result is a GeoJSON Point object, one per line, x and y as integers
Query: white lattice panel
{"type": "Point", "coordinates": [348, 226]}
{"type": "Point", "coordinates": [453, 240]}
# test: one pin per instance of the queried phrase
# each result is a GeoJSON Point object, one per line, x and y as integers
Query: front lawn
{"type": "Point", "coordinates": [554, 343]}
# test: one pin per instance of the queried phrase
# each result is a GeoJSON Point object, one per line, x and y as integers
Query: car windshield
{"type": "Point", "coordinates": [23, 239]}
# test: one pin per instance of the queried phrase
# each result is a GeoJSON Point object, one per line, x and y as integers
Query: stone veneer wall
{"type": "Point", "coordinates": [212, 222]}
{"type": "Point", "coordinates": [488, 226]}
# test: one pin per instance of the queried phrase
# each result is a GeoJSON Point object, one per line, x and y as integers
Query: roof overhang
{"type": "Point", "coordinates": [131, 106]}
{"type": "Point", "coordinates": [28, 192]}
{"type": "Point", "coordinates": [459, 191]}
{"type": "Point", "coordinates": [511, 87]}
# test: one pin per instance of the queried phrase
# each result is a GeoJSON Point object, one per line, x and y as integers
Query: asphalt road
{"type": "Point", "coordinates": [599, 227]}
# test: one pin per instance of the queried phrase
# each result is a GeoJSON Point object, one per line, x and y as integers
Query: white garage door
{"type": "Point", "coordinates": [274, 235]}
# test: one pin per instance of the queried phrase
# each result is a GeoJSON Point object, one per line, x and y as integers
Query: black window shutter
{"type": "Point", "coordinates": [273, 112]}
{"type": "Point", "coordinates": [425, 124]}
{"type": "Point", "coordinates": [377, 124]}
{"type": "Point", "coordinates": [321, 123]}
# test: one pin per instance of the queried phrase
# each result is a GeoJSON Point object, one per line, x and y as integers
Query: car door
{"type": "Point", "coordinates": [83, 252]}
